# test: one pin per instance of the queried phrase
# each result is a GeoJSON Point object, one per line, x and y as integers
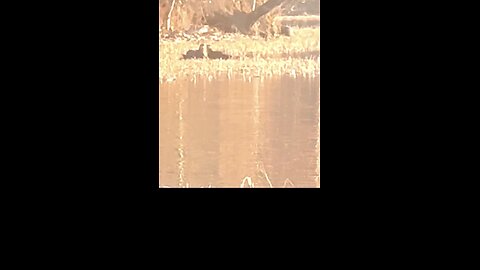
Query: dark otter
{"type": "Point", "coordinates": [216, 54]}
{"type": "Point", "coordinates": [286, 30]}
{"type": "Point", "coordinates": [204, 51]}
{"type": "Point", "coordinates": [200, 53]}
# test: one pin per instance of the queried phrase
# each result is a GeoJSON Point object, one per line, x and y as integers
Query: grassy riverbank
{"type": "Point", "coordinates": [297, 55]}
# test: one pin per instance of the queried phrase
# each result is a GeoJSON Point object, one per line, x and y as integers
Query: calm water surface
{"type": "Point", "coordinates": [216, 133]}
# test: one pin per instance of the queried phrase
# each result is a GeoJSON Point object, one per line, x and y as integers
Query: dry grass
{"type": "Point", "coordinates": [288, 182]}
{"type": "Point", "coordinates": [247, 182]}
{"type": "Point", "coordinates": [297, 55]}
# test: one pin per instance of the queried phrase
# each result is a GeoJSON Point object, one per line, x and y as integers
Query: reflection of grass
{"type": "Point", "coordinates": [297, 55]}
{"type": "Point", "coordinates": [246, 183]}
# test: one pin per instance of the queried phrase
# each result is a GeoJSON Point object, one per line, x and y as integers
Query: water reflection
{"type": "Point", "coordinates": [215, 133]}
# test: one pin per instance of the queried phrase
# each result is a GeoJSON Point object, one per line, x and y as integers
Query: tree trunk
{"type": "Point", "coordinates": [241, 21]}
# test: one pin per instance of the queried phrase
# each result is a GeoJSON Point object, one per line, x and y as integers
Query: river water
{"type": "Point", "coordinates": [261, 132]}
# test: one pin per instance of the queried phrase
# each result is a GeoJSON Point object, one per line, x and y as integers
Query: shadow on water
{"type": "Point", "coordinates": [217, 133]}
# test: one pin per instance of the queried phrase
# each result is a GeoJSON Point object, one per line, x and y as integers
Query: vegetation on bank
{"type": "Point", "coordinates": [296, 55]}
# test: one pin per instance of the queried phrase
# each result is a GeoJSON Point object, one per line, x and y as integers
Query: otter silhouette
{"type": "Point", "coordinates": [216, 54]}
{"type": "Point", "coordinates": [193, 54]}
{"type": "Point", "coordinates": [204, 51]}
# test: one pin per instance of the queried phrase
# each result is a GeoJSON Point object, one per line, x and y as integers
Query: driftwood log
{"type": "Point", "coordinates": [241, 21]}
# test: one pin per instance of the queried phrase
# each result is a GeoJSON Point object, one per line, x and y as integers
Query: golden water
{"type": "Point", "coordinates": [214, 133]}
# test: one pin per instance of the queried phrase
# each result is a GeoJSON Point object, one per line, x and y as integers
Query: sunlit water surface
{"type": "Point", "coordinates": [215, 133]}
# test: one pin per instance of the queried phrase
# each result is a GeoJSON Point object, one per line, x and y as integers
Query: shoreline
{"type": "Point", "coordinates": [296, 55]}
